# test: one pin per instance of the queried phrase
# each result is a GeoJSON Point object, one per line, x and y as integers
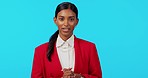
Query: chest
{"type": "Point", "coordinates": [54, 68]}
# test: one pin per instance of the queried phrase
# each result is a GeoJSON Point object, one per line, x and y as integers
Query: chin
{"type": "Point", "coordinates": [66, 34]}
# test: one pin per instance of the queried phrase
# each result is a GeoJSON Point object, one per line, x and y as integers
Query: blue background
{"type": "Point", "coordinates": [119, 28]}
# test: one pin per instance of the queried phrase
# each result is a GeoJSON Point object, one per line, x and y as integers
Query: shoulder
{"type": "Point", "coordinates": [42, 47]}
{"type": "Point", "coordinates": [84, 42]}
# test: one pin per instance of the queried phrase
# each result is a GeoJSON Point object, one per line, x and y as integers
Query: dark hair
{"type": "Point", "coordinates": [66, 5]}
{"type": "Point", "coordinates": [53, 38]}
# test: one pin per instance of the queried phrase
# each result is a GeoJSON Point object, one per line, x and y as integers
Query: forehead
{"type": "Point", "coordinates": [66, 13]}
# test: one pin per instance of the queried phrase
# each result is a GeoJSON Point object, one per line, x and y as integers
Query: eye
{"type": "Point", "coordinates": [61, 19]}
{"type": "Point", "coordinates": [71, 19]}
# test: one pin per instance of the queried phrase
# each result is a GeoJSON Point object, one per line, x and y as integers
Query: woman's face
{"type": "Point", "coordinates": [66, 21]}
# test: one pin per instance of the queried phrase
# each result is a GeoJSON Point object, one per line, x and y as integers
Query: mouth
{"type": "Point", "coordinates": [65, 29]}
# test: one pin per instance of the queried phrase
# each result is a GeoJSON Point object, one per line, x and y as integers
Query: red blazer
{"type": "Point", "coordinates": [86, 61]}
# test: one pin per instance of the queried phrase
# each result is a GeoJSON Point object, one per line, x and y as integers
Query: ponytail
{"type": "Point", "coordinates": [52, 41]}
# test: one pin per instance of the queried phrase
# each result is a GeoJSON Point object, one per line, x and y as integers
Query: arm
{"type": "Point", "coordinates": [94, 64]}
{"type": "Point", "coordinates": [37, 71]}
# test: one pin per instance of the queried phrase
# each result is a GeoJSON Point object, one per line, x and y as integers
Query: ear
{"type": "Point", "coordinates": [77, 21]}
{"type": "Point", "coordinates": [55, 20]}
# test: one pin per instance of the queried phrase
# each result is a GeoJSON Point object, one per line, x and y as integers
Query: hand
{"type": "Point", "coordinates": [70, 74]}
{"type": "Point", "coordinates": [77, 75]}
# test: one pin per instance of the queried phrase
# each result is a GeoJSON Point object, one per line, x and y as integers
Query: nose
{"type": "Point", "coordinates": [66, 23]}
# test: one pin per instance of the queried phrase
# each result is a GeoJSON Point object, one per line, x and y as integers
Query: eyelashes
{"type": "Point", "coordinates": [71, 19]}
{"type": "Point", "coordinates": [61, 19]}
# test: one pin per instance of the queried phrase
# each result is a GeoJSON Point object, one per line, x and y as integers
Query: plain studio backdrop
{"type": "Point", "coordinates": [119, 28]}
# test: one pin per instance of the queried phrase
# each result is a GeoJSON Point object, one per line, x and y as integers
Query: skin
{"type": "Point", "coordinates": [70, 74]}
{"type": "Point", "coordinates": [66, 21]}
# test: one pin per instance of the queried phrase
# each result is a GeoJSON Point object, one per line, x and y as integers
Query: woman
{"type": "Point", "coordinates": [65, 55]}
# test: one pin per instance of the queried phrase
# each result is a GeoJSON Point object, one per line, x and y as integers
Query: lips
{"type": "Point", "coordinates": [65, 29]}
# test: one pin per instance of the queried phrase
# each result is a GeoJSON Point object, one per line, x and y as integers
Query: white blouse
{"type": "Point", "coordinates": [66, 53]}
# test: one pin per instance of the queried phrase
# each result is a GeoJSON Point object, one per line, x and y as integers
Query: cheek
{"type": "Point", "coordinates": [73, 27]}
{"type": "Point", "coordinates": [59, 24]}
{"type": "Point", "coordinates": [72, 23]}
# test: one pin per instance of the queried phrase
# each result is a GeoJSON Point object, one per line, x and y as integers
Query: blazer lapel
{"type": "Point", "coordinates": [57, 65]}
{"type": "Point", "coordinates": [78, 57]}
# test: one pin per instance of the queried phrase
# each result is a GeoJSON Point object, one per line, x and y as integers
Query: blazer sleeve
{"type": "Point", "coordinates": [94, 64]}
{"type": "Point", "coordinates": [37, 70]}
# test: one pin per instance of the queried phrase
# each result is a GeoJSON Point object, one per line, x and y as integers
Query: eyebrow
{"type": "Point", "coordinates": [69, 16]}
{"type": "Point", "coordinates": [72, 16]}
